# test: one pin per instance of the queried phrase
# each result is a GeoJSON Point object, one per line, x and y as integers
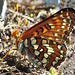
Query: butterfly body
{"type": "Point", "coordinates": [43, 42]}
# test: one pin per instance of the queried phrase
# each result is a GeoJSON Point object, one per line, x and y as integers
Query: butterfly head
{"type": "Point", "coordinates": [15, 33]}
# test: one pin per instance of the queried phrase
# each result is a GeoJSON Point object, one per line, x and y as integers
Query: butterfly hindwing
{"type": "Point", "coordinates": [44, 52]}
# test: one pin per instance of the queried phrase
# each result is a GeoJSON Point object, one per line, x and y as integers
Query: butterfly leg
{"type": "Point", "coordinates": [24, 53]}
{"type": "Point", "coordinates": [8, 51]}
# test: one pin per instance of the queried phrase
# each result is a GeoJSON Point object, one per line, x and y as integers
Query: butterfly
{"type": "Point", "coordinates": [43, 42]}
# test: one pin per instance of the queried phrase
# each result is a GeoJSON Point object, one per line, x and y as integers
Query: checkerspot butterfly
{"type": "Point", "coordinates": [43, 42]}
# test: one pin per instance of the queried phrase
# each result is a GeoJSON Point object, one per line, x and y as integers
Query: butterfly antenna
{"type": "Point", "coordinates": [8, 51]}
{"type": "Point", "coordinates": [17, 8]}
{"type": "Point", "coordinates": [18, 21]}
{"type": "Point", "coordinates": [24, 24]}
{"type": "Point", "coordinates": [17, 16]}
{"type": "Point", "coordinates": [21, 29]}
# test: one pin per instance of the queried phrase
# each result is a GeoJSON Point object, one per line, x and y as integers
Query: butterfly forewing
{"type": "Point", "coordinates": [60, 27]}
{"type": "Point", "coordinates": [57, 27]}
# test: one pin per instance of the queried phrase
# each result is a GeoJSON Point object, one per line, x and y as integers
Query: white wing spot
{"type": "Point", "coordinates": [25, 42]}
{"type": "Point", "coordinates": [64, 23]}
{"type": "Point", "coordinates": [67, 14]}
{"type": "Point", "coordinates": [44, 41]}
{"type": "Point", "coordinates": [68, 28]}
{"type": "Point", "coordinates": [52, 26]}
{"type": "Point", "coordinates": [56, 34]}
{"type": "Point", "coordinates": [36, 53]}
{"type": "Point", "coordinates": [50, 37]}
{"type": "Point", "coordinates": [59, 46]}
{"type": "Point", "coordinates": [54, 63]}
{"type": "Point", "coordinates": [39, 63]}
{"type": "Point", "coordinates": [70, 21]}
{"type": "Point", "coordinates": [68, 17]}
{"type": "Point", "coordinates": [44, 64]}
{"type": "Point", "coordinates": [33, 41]}
{"type": "Point", "coordinates": [45, 55]}
{"type": "Point", "coordinates": [36, 60]}
{"type": "Point", "coordinates": [61, 16]}
{"type": "Point", "coordinates": [57, 58]}
{"type": "Point", "coordinates": [45, 44]}
{"type": "Point", "coordinates": [62, 26]}
{"type": "Point", "coordinates": [33, 58]}
{"type": "Point", "coordinates": [54, 42]}
{"type": "Point", "coordinates": [41, 50]}
{"type": "Point", "coordinates": [64, 20]}
{"type": "Point", "coordinates": [61, 11]}
{"type": "Point", "coordinates": [57, 39]}
{"type": "Point", "coordinates": [50, 48]}
{"type": "Point", "coordinates": [20, 47]}
{"type": "Point", "coordinates": [58, 30]}
{"type": "Point", "coordinates": [64, 30]}
{"type": "Point", "coordinates": [55, 18]}
{"type": "Point", "coordinates": [36, 46]}
{"type": "Point", "coordinates": [50, 51]}
{"type": "Point", "coordinates": [44, 60]}
{"type": "Point", "coordinates": [61, 52]}
{"type": "Point", "coordinates": [69, 24]}
{"type": "Point", "coordinates": [32, 38]}
{"type": "Point", "coordinates": [61, 56]}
